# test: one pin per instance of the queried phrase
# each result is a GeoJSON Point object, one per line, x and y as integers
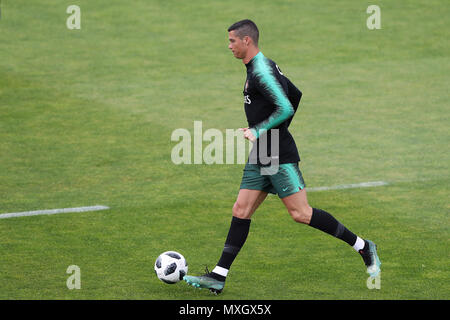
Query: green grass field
{"type": "Point", "coordinates": [86, 118]}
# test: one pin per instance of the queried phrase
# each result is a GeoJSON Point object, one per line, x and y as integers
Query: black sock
{"type": "Point", "coordinates": [237, 235]}
{"type": "Point", "coordinates": [325, 222]}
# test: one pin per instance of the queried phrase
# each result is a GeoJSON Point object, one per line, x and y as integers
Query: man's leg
{"type": "Point", "coordinates": [246, 204]}
{"type": "Point", "coordinates": [298, 207]}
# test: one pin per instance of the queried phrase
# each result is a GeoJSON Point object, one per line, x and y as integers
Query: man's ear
{"type": "Point", "coordinates": [246, 40]}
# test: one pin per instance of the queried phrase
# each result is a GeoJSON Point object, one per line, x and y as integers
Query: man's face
{"type": "Point", "coordinates": [237, 46]}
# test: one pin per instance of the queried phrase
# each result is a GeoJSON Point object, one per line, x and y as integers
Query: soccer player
{"type": "Point", "coordinates": [270, 101]}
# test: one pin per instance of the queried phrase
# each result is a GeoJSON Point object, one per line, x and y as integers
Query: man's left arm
{"type": "Point", "coordinates": [269, 85]}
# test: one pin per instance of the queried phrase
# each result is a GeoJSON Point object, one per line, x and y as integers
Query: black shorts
{"type": "Point", "coordinates": [285, 182]}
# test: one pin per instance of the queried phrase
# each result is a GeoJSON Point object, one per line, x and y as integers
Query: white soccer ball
{"type": "Point", "coordinates": [171, 267]}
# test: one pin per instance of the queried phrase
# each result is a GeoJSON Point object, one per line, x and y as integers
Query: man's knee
{"type": "Point", "coordinates": [301, 215]}
{"type": "Point", "coordinates": [241, 211]}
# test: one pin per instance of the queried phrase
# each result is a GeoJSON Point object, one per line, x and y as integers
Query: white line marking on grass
{"type": "Point", "coordinates": [52, 211]}
{"type": "Point", "coordinates": [350, 186]}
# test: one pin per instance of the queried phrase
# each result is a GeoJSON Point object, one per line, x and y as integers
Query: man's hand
{"type": "Point", "coordinates": [248, 134]}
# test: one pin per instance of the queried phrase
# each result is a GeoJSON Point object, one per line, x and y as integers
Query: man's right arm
{"type": "Point", "coordinates": [294, 95]}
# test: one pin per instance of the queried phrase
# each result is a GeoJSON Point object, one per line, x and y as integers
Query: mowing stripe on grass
{"type": "Point", "coordinates": [51, 211]}
{"type": "Point", "coordinates": [350, 186]}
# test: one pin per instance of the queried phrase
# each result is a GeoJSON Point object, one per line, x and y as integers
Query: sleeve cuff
{"type": "Point", "coordinates": [254, 132]}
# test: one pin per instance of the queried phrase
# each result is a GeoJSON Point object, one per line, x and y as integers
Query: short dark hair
{"type": "Point", "coordinates": [245, 28]}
